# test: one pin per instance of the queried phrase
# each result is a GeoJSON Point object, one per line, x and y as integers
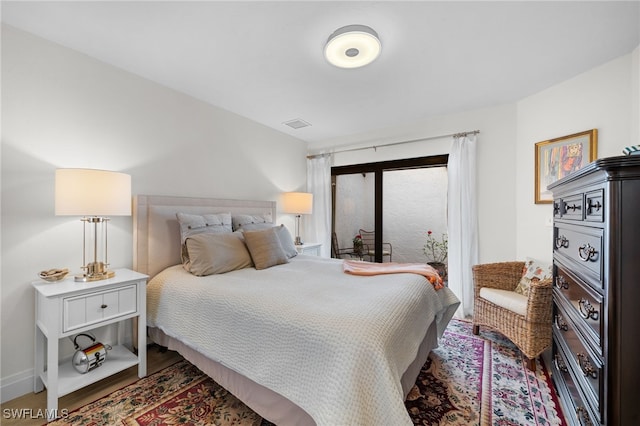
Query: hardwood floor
{"type": "Point", "coordinates": [24, 410]}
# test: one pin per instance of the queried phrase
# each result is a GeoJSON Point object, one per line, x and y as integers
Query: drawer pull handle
{"type": "Point", "coordinates": [560, 365]}
{"type": "Point", "coordinates": [587, 310]}
{"type": "Point", "coordinates": [583, 416]}
{"type": "Point", "coordinates": [561, 242]}
{"type": "Point", "coordinates": [562, 283]}
{"type": "Point", "coordinates": [103, 306]}
{"type": "Point", "coordinates": [574, 207]}
{"type": "Point", "coordinates": [561, 324]}
{"type": "Point", "coordinates": [586, 367]}
{"type": "Point", "coordinates": [587, 252]}
{"type": "Point", "coordinates": [597, 206]}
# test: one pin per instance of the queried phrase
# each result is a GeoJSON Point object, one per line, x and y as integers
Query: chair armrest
{"type": "Point", "coordinates": [539, 303]}
{"type": "Point", "coordinates": [502, 275]}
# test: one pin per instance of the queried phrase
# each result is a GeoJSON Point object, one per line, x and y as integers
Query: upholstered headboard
{"type": "Point", "coordinates": [156, 233]}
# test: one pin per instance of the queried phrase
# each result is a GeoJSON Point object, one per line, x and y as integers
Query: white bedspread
{"type": "Point", "coordinates": [334, 344]}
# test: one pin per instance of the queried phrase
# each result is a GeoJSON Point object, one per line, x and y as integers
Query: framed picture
{"type": "Point", "coordinates": [558, 157]}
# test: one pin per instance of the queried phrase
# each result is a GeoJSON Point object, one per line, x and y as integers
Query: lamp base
{"type": "Point", "coordinates": [96, 271]}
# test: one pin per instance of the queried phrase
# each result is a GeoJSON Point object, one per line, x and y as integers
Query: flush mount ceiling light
{"type": "Point", "coordinates": [352, 46]}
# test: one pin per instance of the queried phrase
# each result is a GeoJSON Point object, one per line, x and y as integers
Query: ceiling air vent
{"type": "Point", "coordinates": [297, 123]}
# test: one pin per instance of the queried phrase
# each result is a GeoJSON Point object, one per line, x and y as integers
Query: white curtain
{"type": "Point", "coordinates": [462, 220]}
{"type": "Point", "coordinates": [317, 226]}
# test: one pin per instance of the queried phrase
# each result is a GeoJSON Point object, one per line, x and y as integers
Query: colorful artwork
{"type": "Point", "coordinates": [560, 157]}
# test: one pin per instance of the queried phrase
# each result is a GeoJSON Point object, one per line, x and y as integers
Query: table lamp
{"type": "Point", "coordinates": [94, 195]}
{"type": "Point", "coordinates": [297, 203]}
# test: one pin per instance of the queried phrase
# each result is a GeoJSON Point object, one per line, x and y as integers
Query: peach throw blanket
{"type": "Point", "coordinates": [356, 267]}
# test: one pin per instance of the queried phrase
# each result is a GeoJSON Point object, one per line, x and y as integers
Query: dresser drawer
{"type": "Point", "coordinates": [594, 206]}
{"type": "Point", "coordinates": [587, 367]}
{"type": "Point", "coordinates": [88, 309]}
{"type": "Point", "coordinates": [573, 207]}
{"type": "Point", "coordinates": [576, 410]}
{"type": "Point", "coordinates": [583, 246]}
{"type": "Point", "coordinates": [584, 303]}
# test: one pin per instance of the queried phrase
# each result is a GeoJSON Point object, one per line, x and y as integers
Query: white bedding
{"type": "Point", "coordinates": [334, 344]}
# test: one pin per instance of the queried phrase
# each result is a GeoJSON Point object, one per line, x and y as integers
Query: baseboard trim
{"type": "Point", "coordinates": [16, 385]}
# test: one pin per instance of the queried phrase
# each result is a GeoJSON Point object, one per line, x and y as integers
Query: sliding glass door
{"type": "Point", "coordinates": [398, 201]}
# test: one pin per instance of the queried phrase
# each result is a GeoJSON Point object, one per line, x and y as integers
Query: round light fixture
{"type": "Point", "coordinates": [352, 46]}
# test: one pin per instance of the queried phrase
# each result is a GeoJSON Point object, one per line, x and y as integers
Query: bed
{"type": "Point", "coordinates": [301, 343]}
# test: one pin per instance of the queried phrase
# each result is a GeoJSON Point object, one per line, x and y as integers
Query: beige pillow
{"type": "Point", "coordinates": [533, 271]}
{"type": "Point", "coordinates": [216, 254]}
{"type": "Point", "coordinates": [265, 248]}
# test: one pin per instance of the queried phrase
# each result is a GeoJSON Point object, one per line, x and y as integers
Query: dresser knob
{"type": "Point", "coordinates": [561, 242]}
{"type": "Point", "coordinates": [574, 207]}
{"type": "Point", "coordinates": [587, 252]}
{"type": "Point", "coordinates": [586, 367]}
{"type": "Point", "coordinates": [103, 306]}
{"type": "Point", "coordinates": [597, 206]}
{"type": "Point", "coordinates": [561, 324]}
{"type": "Point", "coordinates": [583, 416]}
{"type": "Point", "coordinates": [560, 365]}
{"type": "Point", "coordinates": [562, 283]}
{"type": "Point", "coordinates": [587, 310]}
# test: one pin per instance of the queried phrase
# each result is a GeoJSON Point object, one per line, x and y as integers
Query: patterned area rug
{"type": "Point", "coordinates": [468, 380]}
{"type": "Point", "coordinates": [481, 380]}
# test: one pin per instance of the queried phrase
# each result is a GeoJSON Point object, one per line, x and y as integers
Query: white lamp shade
{"type": "Point", "coordinates": [297, 202]}
{"type": "Point", "coordinates": [87, 192]}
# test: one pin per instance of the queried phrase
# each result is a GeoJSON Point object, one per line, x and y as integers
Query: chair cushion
{"type": "Point", "coordinates": [510, 300]}
{"type": "Point", "coordinates": [533, 271]}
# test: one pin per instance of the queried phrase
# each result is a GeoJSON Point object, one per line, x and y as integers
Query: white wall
{"type": "Point", "coordinates": [602, 98]}
{"type": "Point", "coordinates": [64, 109]}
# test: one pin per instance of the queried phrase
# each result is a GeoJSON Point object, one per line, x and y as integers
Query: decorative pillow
{"type": "Point", "coordinates": [286, 241]}
{"type": "Point", "coordinates": [192, 224]}
{"type": "Point", "coordinates": [265, 248]}
{"type": "Point", "coordinates": [533, 271]}
{"type": "Point", "coordinates": [216, 254]}
{"type": "Point", "coordinates": [246, 222]}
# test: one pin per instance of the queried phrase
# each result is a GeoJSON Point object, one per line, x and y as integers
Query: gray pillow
{"type": "Point", "coordinates": [192, 224]}
{"type": "Point", "coordinates": [246, 222]}
{"type": "Point", "coordinates": [286, 241]}
{"type": "Point", "coordinates": [216, 254]}
{"type": "Point", "coordinates": [265, 248]}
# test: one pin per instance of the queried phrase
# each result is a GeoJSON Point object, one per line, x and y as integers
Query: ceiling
{"type": "Point", "coordinates": [264, 60]}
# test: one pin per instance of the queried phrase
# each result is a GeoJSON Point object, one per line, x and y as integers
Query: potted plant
{"type": "Point", "coordinates": [436, 251]}
{"type": "Point", "coordinates": [357, 244]}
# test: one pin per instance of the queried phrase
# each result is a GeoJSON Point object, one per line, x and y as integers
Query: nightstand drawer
{"type": "Point", "coordinates": [87, 309]}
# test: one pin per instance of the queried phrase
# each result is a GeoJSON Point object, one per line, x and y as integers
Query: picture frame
{"type": "Point", "coordinates": [556, 158]}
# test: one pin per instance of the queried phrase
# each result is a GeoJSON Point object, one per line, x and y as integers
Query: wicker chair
{"type": "Point", "coordinates": [530, 332]}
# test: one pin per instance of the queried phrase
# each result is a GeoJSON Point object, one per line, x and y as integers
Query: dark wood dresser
{"type": "Point", "coordinates": [596, 299]}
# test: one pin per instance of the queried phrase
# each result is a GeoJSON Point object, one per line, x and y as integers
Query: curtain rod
{"type": "Point", "coordinates": [375, 147]}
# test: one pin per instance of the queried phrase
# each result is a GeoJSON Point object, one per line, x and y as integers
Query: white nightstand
{"type": "Point", "coordinates": [66, 308]}
{"type": "Point", "coordinates": [309, 248]}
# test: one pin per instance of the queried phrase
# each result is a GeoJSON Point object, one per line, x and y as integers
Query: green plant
{"type": "Point", "coordinates": [357, 243]}
{"type": "Point", "coordinates": [436, 250]}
